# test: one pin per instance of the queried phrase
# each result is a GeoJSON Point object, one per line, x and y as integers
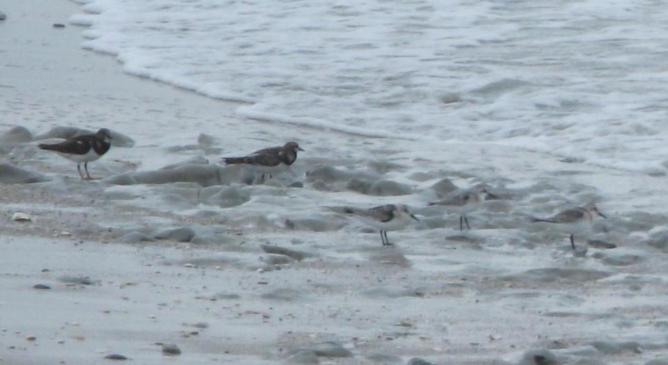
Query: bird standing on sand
{"type": "Point", "coordinates": [464, 201]}
{"type": "Point", "coordinates": [268, 160]}
{"type": "Point", "coordinates": [387, 217]}
{"type": "Point", "coordinates": [84, 148]}
{"type": "Point", "coordinates": [575, 217]}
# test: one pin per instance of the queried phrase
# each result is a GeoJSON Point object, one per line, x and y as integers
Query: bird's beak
{"type": "Point", "coordinates": [299, 148]}
{"type": "Point", "coordinates": [602, 215]}
{"type": "Point", "coordinates": [414, 217]}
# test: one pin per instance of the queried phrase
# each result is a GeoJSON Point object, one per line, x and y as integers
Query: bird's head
{"type": "Point", "coordinates": [292, 146]}
{"type": "Point", "coordinates": [104, 134]}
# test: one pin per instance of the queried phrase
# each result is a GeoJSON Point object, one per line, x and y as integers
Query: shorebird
{"type": "Point", "coordinates": [389, 217]}
{"type": "Point", "coordinates": [575, 217]}
{"type": "Point", "coordinates": [84, 148]}
{"type": "Point", "coordinates": [464, 201]}
{"type": "Point", "coordinates": [268, 160]}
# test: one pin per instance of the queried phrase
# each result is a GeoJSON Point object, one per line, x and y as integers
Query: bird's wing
{"type": "Point", "coordinates": [457, 199]}
{"type": "Point", "coordinates": [569, 216]}
{"type": "Point", "coordinates": [382, 213]}
{"type": "Point", "coordinates": [78, 145]}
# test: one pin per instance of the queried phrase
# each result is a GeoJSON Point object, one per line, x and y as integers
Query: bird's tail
{"type": "Point", "coordinates": [536, 220]}
{"type": "Point", "coordinates": [50, 147]}
{"type": "Point", "coordinates": [235, 160]}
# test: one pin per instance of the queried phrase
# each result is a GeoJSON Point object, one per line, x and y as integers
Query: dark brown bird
{"type": "Point", "coordinates": [84, 148]}
{"type": "Point", "coordinates": [268, 160]}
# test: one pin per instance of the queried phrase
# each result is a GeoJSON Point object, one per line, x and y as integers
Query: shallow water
{"type": "Point", "coordinates": [580, 79]}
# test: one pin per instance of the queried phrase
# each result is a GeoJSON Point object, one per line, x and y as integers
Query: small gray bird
{"type": "Point", "coordinates": [464, 201]}
{"type": "Point", "coordinates": [85, 148]}
{"type": "Point", "coordinates": [575, 217]}
{"type": "Point", "coordinates": [385, 218]}
{"type": "Point", "coordinates": [268, 160]}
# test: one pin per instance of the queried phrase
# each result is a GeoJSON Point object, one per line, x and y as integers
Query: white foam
{"type": "Point", "coordinates": [581, 81]}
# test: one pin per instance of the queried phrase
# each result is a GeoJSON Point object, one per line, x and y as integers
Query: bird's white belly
{"type": "Point", "coordinates": [88, 157]}
{"type": "Point", "coordinates": [395, 224]}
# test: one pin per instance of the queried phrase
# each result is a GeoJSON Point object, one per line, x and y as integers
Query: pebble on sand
{"type": "Point", "coordinates": [330, 349]}
{"type": "Point", "coordinates": [418, 361]}
{"type": "Point", "coordinates": [2, 16]}
{"type": "Point", "coordinates": [21, 217]}
{"type": "Point", "coordinates": [58, 25]}
{"type": "Point", "coordinates": [116, 357]}
{"type": "Point", "coordinates": [297, 255]}
{"type": "Point", "coordinates": [171, 350]}
{"type": "Point", "coordinates": [539, 357]}
{"type": "Point", "coordinates": [41, 287]}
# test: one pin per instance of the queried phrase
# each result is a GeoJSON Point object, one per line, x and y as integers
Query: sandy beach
{"type": "Point", "coordinates": [231, 273]}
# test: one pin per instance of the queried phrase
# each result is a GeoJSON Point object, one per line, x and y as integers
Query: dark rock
{"type": "Point", "coordinates": [450, 98]}
{"type": "Point", "coordinates": [330, 349]}
{"type": "Point", "coordinates": [116, 357]}
{"type": "Point", "coordinates": [389, 188]}
{"type": "Point", "coordinates": [41, 287]}
{"type": "Point", "coordinates": [16, 135]}
{"type": "Point", "coordinates": [10, 174]}
{"type": "Point", "coordinates": [206, 140]}
{"type": "Point", "coordinates": [171, 350]}
{"type": "Point", "coordinates": [183, 234]}
{"type": "Point", "coordinates": [331, 179]}
{"type": "Point", "coordinates": [539, 357]}
{"type": "Point", "coordinates": [297, 255]}
{"type": "Point", "coordinates": [3, 16]}
{"type": "Point", "coordinates": [444, 187]}
{"type": "Point", "coordinates": [419, 361]}
{"type": "Point", "coordinates": [296, 184]}
{"type": "Point", "coordinates": [58, 25]}
{"type": "Point", "coordinates": [359, 185]}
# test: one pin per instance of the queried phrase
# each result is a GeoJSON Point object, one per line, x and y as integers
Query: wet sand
{"type": "Point", "coordinates": [122, 281]}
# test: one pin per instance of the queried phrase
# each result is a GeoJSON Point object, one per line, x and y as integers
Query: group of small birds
{"type": "Point", "coordinates": [268, 161]}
